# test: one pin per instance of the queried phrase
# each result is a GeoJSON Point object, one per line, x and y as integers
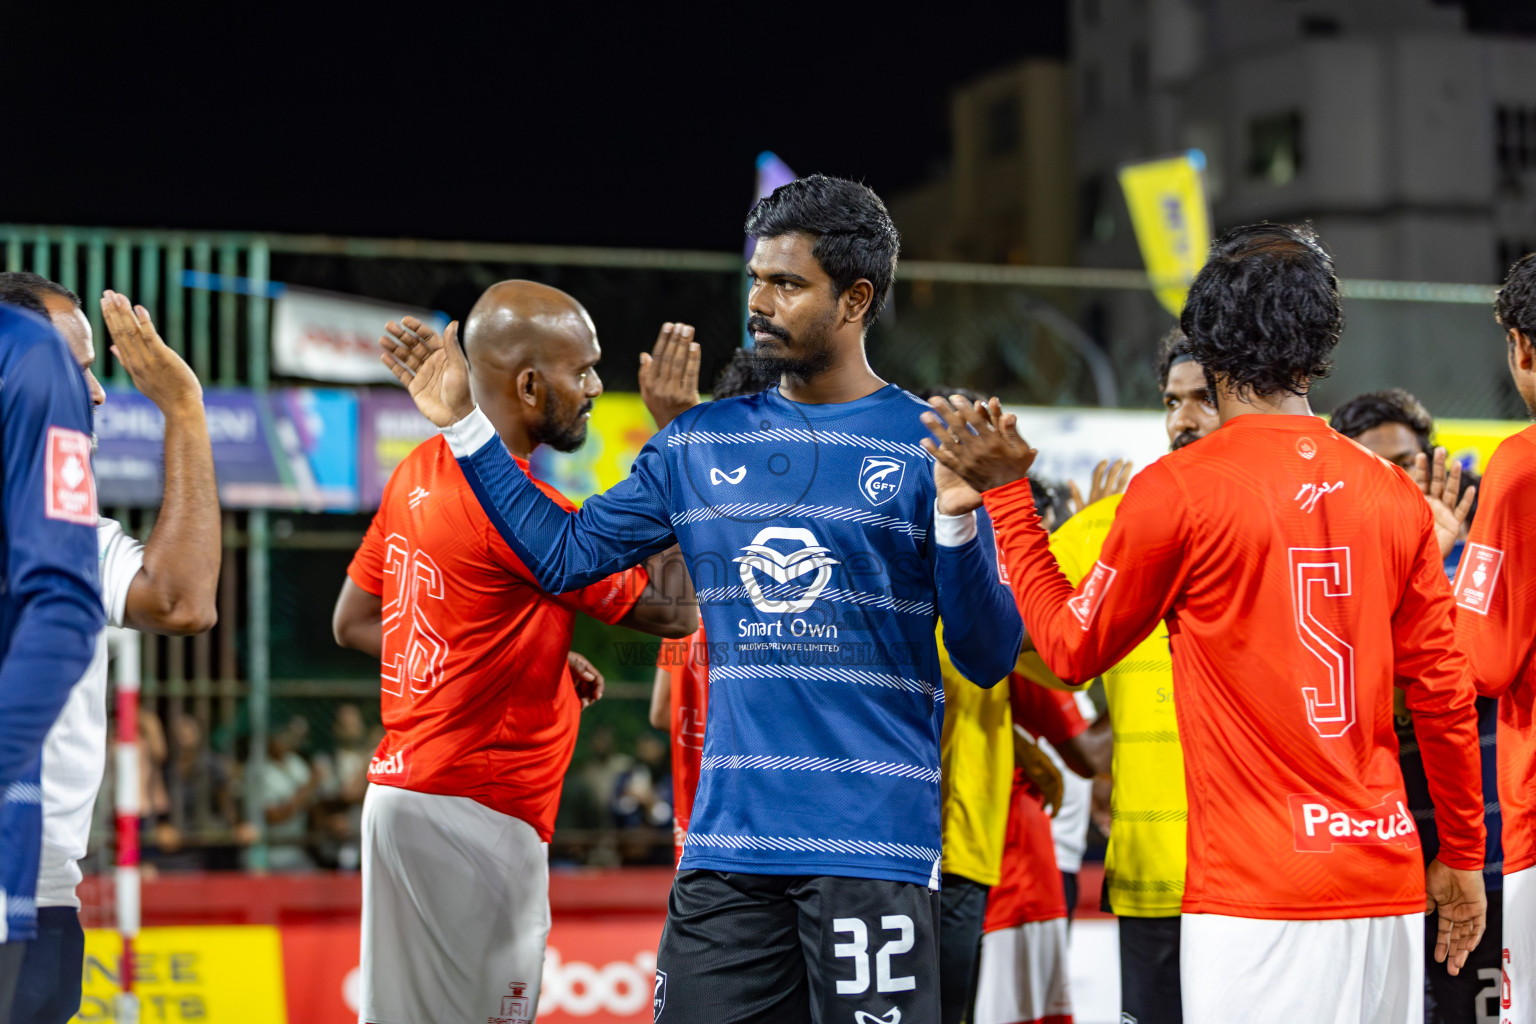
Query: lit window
{"type": "Point", "coordinates": [1275, 151]}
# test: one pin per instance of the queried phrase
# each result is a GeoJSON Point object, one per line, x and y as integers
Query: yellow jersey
{"type": "Point", "coordinates": [976, 756]}
{"type": "Point", "coordinates": [1149, 810]}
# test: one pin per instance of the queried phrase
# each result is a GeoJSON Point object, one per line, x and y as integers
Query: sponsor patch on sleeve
{"type": "Point", "coordinates": [1478, 578]}
{"type": "Point", "coordinates": [1085, 605]}
{"type": "Point", "coordinates": [71, 489]}
{"type": "Point", "coordinates": [1002, 563]}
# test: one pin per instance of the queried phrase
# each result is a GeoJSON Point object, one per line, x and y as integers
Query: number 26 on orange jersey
{"type": "Point", "coordinates": [1321, 575]}
{"type": "Point", "coordinates": [413, 649]}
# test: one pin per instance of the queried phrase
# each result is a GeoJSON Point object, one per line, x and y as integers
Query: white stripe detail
{"type": "Point", "coordinates": [764, 511]}
{"type": "Point", "coordinates": [718, 595]}
{"type": "Point", "coordinates": [768, 763]}
{"type": "Point", "coordinates": [20, 906]}
{"type": "Point", "coordinates": [829, 675]}
{"type": "Point", "coordinates": [798, 434]}
{"type": "Point", "coordinates": [23, 793]}
{"type": "Point", "coordinates": [796, 844]}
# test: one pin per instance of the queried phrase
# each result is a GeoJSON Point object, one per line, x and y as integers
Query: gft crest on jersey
{"type": "Point", "coordinates": [880, 478]}
{"type": "Point", "coordinates": [782, 596]}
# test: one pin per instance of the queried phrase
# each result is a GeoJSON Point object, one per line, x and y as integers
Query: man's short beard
{"type": "Point", "coordinates": [1189, 437]}
{"type": "Point", "coordinates": [561, 429]}
{"type": "Point", "coordinates": [815, 358]}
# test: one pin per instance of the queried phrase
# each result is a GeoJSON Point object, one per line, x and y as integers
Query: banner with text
{"type": "Point", "coordinates": [324, 336]}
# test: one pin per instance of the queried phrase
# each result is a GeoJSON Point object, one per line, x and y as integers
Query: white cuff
{"type": "Point", "coordinates": [469, 435]}
{"type": "Point", "coordinates": [953, 531]}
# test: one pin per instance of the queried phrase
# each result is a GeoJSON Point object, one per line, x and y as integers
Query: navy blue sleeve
{"type": "Point", "coordinates": [612, 531]}
{"type": "Point", "coordinates": [53, 596]}
{"type": "Point", "coordinates": [982, 628]}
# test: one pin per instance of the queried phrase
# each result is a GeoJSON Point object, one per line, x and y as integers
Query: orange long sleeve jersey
{"type": "Point", "coordinates": [1496, 627]}
{"type": "Point", "coordinates": [1299, 577]}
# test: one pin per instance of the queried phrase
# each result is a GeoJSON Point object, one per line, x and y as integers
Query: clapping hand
{"type": "Point", "coordinates": [978, 442]}
{"type": "Point", "coordinates": [432, 368]}
{"type": "Point", "coordinates": [1441, 487]}
{"type": "Point", "coordinates": [669, 374]}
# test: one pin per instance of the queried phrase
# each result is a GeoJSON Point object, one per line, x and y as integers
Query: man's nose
{"type": "Point", "coordinates": [594, 384]}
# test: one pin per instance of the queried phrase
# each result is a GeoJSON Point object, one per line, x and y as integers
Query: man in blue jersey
{"type": "Point", "coordinates": [50, 602]}
{"type": "Point", "coordinates": [823, 549]}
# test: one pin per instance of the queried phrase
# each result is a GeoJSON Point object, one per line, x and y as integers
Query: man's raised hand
{"type": "Point", "coordinates": [158, 372]}
{"type": "Point", "coordinates": [1441, 485]}
{"type": "Point", "coordinates": [432, 368]}
{"type": "Point", "coordinates": [978, 442]}
{"type": "Point", "coordinates": [669, 374]}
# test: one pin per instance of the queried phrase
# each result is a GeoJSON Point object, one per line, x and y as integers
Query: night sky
{"type": "Point", "coordinates": [555, 123]}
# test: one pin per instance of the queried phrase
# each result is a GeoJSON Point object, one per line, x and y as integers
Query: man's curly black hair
{"type": "Point", "coordinates": [1515, 305]}
{"type": "Point", "coordinates": [1264, 313]}
{"type": "Point", "coordinates": [855, 236]}
{"type": "Point", "coordinates": [1369, 411]}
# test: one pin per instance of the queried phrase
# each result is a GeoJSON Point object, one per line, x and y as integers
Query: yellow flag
{"type": "Point", "coordinates": [1173, 224]}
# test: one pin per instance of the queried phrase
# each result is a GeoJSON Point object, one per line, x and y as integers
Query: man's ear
{"type": "Point", "coordinates": [530, 387]}
{"type": "Point", "coordinates": [857, 299]}
{"type": "Point", "coordinates": [1522, 351]}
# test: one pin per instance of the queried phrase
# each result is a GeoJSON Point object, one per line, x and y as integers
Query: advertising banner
{"type": "Point", "coordinates": [294, 448]}
{"type": "Point", "coordinates": [1166, 199]}
{"type": "Point", "coordinates": [597, 970]}
{"type": "Point", "coordinates": [229, 973]}
{"type": "Point", "coordinates": [324, 336]}
{"type": "Point", "coordinates": [388, 428]}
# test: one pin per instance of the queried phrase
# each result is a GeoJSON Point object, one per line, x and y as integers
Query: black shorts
{"type": "Point", "coordinates": [1149, 971]}
{"type": "Point", "coordinates": [962, 911]}
{"type": "Point", "coordinates": [787, 949]}
{"type": "Point", "coordinates": [1472, 996]}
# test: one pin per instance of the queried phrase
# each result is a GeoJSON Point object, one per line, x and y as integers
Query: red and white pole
{"type": "Point", "coordinates": [125, 664]}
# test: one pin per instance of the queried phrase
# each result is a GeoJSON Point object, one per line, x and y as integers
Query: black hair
{"type": "Point", "coordinates": [855, 236]}
{"type": "Point", "coordinates": [26, 298]}
{"type": "Point", "coordinates": [741, 376]}
{"type": "Point", "coordinates": [1264, 312]}
{"type": "Point", "coordinates": [1369, 411]}
{"type": "Point", "coordinates": [1175, 345]}
{"type": "Point", "coordinates": [1515, 305]}
{"type": "Point", "coordinates": [37, 285]}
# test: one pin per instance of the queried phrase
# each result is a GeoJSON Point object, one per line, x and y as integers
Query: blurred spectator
{"type": "Point", "coordinates": [200, 803]}
{"type": "Point", "coordinates": [341, 780]}
{"type": "Point", "coordinates": [286, 785]}
{"type": "Point", "coordinates": [600, 775]}
{"type": "Point", "coordinates": [642, 793]}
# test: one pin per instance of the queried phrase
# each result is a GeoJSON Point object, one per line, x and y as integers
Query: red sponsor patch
{"type": "Point", "coordinates": [71, 489]}
{"type": "Point", "coordinates": [1477, 577]}
{"type": "Point", "coordinates": [1320, 825]}
{"type": "Point", "coordinates": [1002, 563]}
{"type": "Point", "coordinates": [1085, 605]}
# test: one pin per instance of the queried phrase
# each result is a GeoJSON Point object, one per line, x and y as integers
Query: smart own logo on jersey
{"type": "Point", "coordinates": [880, 478]}
{"type": "Point", "coordinates": [785, 568]}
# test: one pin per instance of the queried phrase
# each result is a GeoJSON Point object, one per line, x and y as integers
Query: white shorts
{"type": "Point", "coordinates": [1023, 974]}
{"type": "Point", "coordinates": [1362, 970]}
{"type": "Point", "coordinates": [455, 911]}
{"type": "Point", "coordinates": [1518, 1000]}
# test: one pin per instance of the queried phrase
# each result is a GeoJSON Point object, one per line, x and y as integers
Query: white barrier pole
{"type": "Point", "coordinates": [124, 645]}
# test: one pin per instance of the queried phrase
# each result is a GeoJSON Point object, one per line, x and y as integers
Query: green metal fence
{"type": "Point", "coordinates": [1037, 335]}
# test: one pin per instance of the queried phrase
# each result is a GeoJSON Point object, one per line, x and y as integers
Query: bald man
{"type": "Point", "coordinates": [479, 703]}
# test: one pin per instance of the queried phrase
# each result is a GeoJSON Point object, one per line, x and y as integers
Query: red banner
{"type": "Point", "coordinates": [596, 971]}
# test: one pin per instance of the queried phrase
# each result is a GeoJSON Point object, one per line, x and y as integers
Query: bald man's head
{"type": "Point", "coordinates": [533, 353]}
